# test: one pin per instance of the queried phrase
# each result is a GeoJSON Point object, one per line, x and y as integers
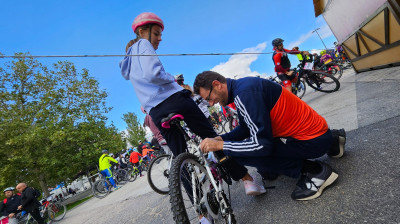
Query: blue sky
{"type": "Point", "coordinates": [104, 27]}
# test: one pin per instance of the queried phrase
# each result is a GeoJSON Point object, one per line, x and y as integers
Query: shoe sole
{"type": "Point", "coordinates": [342, 142]}
{"type": "Point", "coordinates": [328, 182]}
{"type": "Point", "coordinates": [255, 193]}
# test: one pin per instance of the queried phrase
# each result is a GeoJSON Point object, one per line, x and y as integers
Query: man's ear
{"type": "Point", "coordinates": [218, 85]}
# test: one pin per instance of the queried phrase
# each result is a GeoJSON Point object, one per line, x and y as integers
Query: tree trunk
{"type": "Point", "coordinates": [43, 185]}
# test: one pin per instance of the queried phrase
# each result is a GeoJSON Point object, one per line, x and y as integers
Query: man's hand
{"type": "Point", "coordinates": [20, 207]}
{"type": "Point", "coordinates": [218, 138]}
{"type": "Point", "coordinates": [211, 145]}
{"type": "Point", "coordinates": [11, 215]}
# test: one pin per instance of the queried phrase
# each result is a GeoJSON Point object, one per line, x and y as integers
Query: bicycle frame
{"type": "Point", "coordinates": [196, 151]}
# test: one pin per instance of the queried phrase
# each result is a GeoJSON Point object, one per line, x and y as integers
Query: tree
{"type": "Point", "coordinates": [135, 130]}
{"type": "Point", "coordinates": [52, 122]}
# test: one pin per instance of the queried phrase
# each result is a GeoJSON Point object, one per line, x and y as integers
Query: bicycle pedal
{"type": "Point", "coordinates": [223, 159]}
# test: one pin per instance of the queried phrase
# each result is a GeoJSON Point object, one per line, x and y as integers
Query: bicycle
{"type": "Point", "coordinates": [318, 80]}
{"type": "Point", "coordinates": [231, 118]}
{"type": "Point", "coordinates": [135, 170]}
{"type": "Point", "coordinates": [332, 68]}
{"type": "Point", "coordinates": [158, 174]}
{"type": "Point", "coordinates": [120, 175]}
{"type": "Point", "coordinates": [298, 88]}
{"type": "Point", "coordinates": [218, 126]}
{"type": "Point", "coordinates": [49, 210]}
{"type": "Point", "coordinates": [102, 187]}
{"type": "Point", "coordinates": [203, 194]}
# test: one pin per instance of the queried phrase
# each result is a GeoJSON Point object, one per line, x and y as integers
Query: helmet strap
{"type": "Point", "coordinates": [151, 26]}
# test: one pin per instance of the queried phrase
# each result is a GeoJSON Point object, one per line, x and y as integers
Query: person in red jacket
{"type": "Point", "coordinates": [134, 159]}
{"type": "Point", "coordinates": [282, 63]}
{"type": "Point", "coordinates": [145, 152]}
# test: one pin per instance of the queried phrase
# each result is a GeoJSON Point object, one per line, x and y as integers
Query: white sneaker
{"type": "Point", "coordinates": [203, 220]}
{"type": "Point", "coordinates": [253, 188]}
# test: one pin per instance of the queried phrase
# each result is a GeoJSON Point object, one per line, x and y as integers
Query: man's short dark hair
{"type": "Point", "coordinates": [205, 80]}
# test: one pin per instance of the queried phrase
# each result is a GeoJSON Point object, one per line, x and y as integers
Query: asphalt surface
{"type": "Point", "coordinates": [367, 190]}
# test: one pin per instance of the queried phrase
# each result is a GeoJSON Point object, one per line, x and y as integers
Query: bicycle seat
{"type": "Point", "coordinates": [165, 122]}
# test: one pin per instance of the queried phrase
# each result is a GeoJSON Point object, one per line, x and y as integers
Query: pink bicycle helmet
{"type": "Point", "coordinates": [146, 18]}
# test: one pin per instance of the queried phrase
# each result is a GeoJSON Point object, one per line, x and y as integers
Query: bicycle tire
{"type": "Point", "coordinates": [99, 189]}
{"type": "Point", "coordinates": [337, 74]}
{"type": "Point", "coordinates": [121, 176]}
{"type": "Point", "coordinates": [322, 81]}
{"type": "Point", "coordinates": [56, 211]}
{"type": "Point", "coordinates": [145, 166]}
{"type": "Point", "coordinates": [301, 89]}
{"type": "Point", "coordinates": [181, 205]}
{"type": "Point", "coordinates": [131, 175]}
{"type": "Point", "coordinates": [159, 171]}
{"type": "Point", "coordinates": [220, 129]}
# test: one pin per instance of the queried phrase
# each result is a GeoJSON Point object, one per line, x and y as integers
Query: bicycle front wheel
{"type": "Point", "coordinates": [300, 90]}
{"type": "Point", "coordinates": [322, 81]}
{"type": "Point", "coordinates": [101, 188]}
{"type": "Point", "coordinates": [56, 211]}
{"type": "Point", "coordinates": [191, 196]}
{"type": "Point", "coordinates": [158, 174]}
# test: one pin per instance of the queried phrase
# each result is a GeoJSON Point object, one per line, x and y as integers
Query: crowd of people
{"type": "Point", "coordinates": [131, 157]}
{"type": "Point", "coordinates": [278, 133]}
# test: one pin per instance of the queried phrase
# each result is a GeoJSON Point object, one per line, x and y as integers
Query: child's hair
{"type": "Point", "coordinates": [132, 42]}
{"type": "Point", "coordinates": [188, 88]}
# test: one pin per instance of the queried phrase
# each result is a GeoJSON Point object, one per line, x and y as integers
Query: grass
{"type": "Point", "coordinates": [76, 203]}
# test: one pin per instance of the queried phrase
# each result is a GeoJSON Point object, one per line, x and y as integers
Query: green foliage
{"type": "Point", "coordinates": [135, 131]}
{"type": "Point", "coordinates": [52, 122]}
{"type": "Point", "coordinates": [214, 108]}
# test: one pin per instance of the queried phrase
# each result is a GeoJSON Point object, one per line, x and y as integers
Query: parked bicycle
{"type": "Point", "coordinates": [203, 194]}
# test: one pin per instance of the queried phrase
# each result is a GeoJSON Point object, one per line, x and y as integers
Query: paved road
{"type": "Point", "coordinates": [367, 190]}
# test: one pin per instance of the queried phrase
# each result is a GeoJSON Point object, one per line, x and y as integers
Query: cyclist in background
{"type": "Point", "coordinates": [9, 206]}
{"type": "Point", "coordinates": [145, 152]}
{"type": "Point", "coordinates": [282, 63]}
{"type": "Point", "coordinates": [105, 165]}
{"type": "Point", "coordinates": [134, 159]}
{"type": "Point", "coordinates": [300, 56]}
{"type": "Point", "coordinates": [338, 50]}
{"type": "Point", "coordinates": [29, 202]}
{"type": "Point", "coordinates": [122, 161]}
{"type": "Point", "coordinates": [326, 61]}
{"type": "Point", "coordinates": [140, 146]}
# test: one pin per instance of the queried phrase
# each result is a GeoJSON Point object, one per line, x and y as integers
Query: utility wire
{"type": "Point", "coordinates": [123, 55]}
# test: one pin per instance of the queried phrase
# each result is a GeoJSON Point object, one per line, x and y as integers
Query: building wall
{"type": "Point", "coordinates": [344, 16]}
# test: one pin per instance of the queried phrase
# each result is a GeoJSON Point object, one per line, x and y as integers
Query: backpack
{"type": "Point", "coordinates": [36, 192]}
